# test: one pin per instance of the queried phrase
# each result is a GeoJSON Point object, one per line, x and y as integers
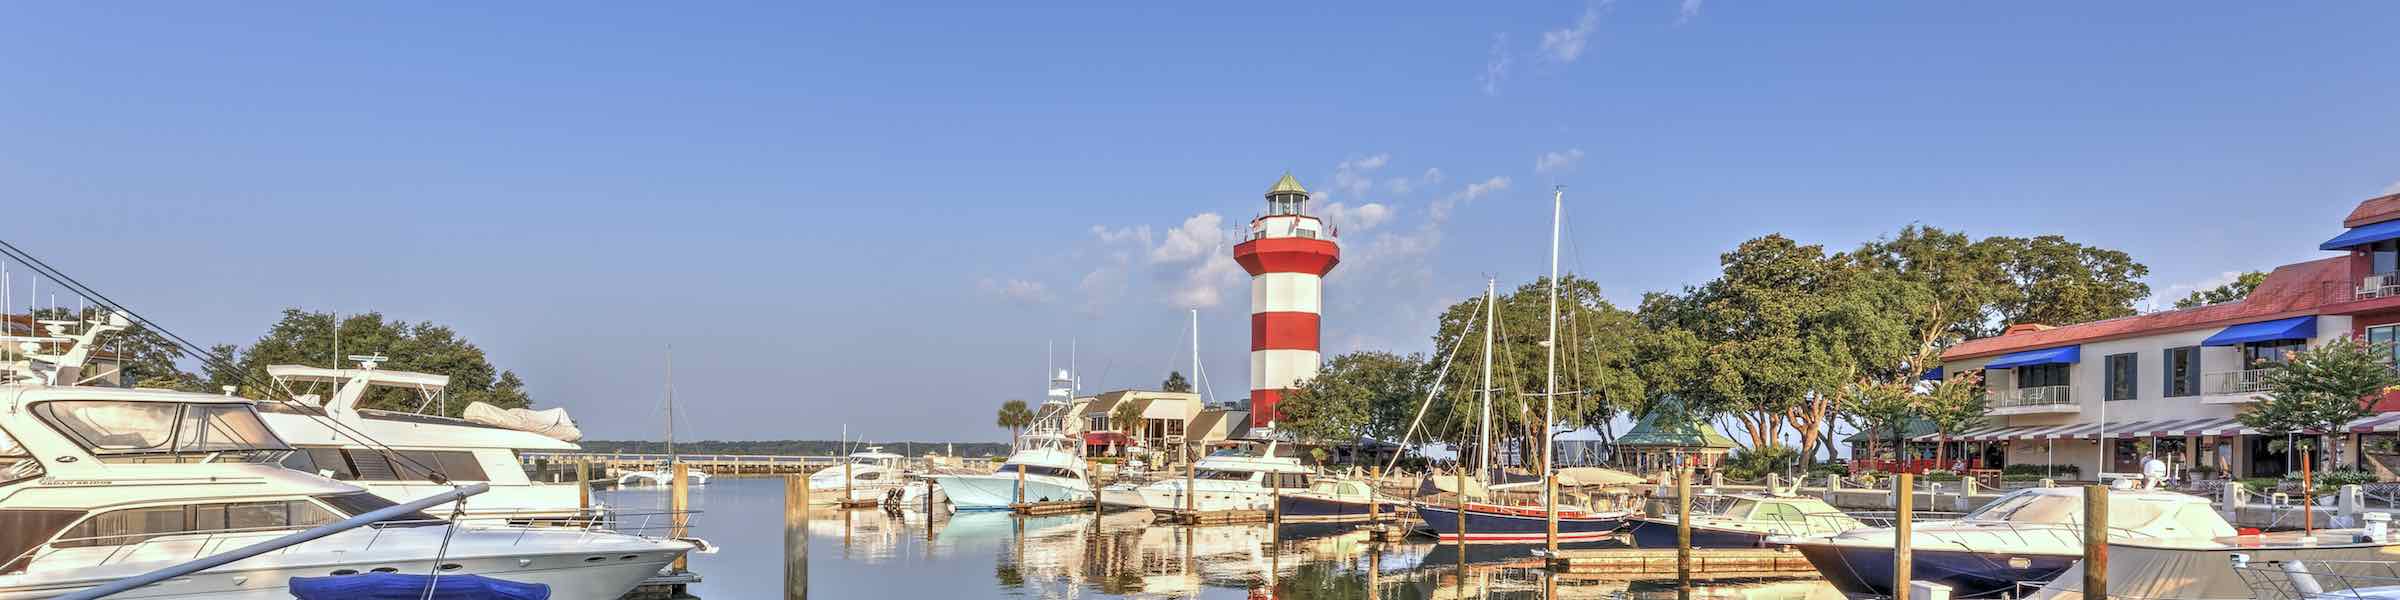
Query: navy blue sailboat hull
{"type": "Point", "coordinates": [1495, 527]}
{"type": "Point", "coordinates": [1868, 570]}
{"type": "Point", "coordinates": [1309, 509]}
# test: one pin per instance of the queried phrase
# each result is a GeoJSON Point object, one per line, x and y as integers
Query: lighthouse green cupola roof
{"type": "Point", "coordinates": [1287, 197]}
{"type": "Point", "coordinates": [1287, 185]}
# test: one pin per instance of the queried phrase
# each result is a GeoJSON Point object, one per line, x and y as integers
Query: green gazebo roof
{"type": "Point", "coordinates": [1287, 185]}
{"type": "Point", "coordinates": [1669, 426]}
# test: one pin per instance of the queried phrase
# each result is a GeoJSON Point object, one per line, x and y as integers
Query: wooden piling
{"type": "Point", "coordinates": [583, 485]}
{"type": "Point", "coordinates": [1462, 508]}
{"type": "Point", "coordinates": [1903, 521]}
{"type": "Point", "coordinates": [1020, 483]}
{"type": "Point", "coordinates": [1190, 479]}
{"type": "Point", "coordinates": [1374, 476]}
{"type": "Point", "coordinates": [1683, 527]}
{"type": "Point", "coordinates": [2095, 541]}
{"type": "Point", "coordinates": [795, 537]}
{"type": "Point", "coordinates": [680, 503]}
{"type": "Point", "coordinates": [846, 485]}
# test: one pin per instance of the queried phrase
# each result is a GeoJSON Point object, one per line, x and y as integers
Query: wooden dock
{"type": "Point", "coordinates": [1036, 509]}
{"type": "Point", "coordinates": [1714, 563]}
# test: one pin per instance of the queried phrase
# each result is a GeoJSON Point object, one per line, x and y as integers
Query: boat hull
{"type": "Point", "coordinates": [997, 492]}
{"type": "Point", "coordinates": [1491, 527]}
{"type": "Point", "coordinates": [1868, 569]}
{"type": "Point", "coordinates": [1660, 533]}
{"type": "Point", "coordinates": [1304, 508]}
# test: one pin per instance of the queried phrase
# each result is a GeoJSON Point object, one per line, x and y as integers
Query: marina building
{"type": "Point", "coordinates": [2091, 396]}
{"type": "Point", "coordinates": [1168, 420]}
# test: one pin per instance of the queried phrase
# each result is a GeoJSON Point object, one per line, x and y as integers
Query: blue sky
{"type": "Point", "coordinates": [844, 213]}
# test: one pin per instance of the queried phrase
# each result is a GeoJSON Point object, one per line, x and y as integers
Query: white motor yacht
{"type": "Point", "coordinates": [1230, 479]}
{"type": "Point", "coordinates": [872, 474]}
{"type": "Point", "coordinates": [2027, 536]}
{"type": "Point", "coordinates": [101, 484]}
{"type": "Point", "coordinates": [332, 438]}
{"type": "Point", "coordinates": [1046, 469]}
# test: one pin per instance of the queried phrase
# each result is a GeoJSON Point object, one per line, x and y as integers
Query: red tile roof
{"type": "Point", "coordinates": [2374, 210]}
{"type": "Point", "coordinates": [2291, 290]}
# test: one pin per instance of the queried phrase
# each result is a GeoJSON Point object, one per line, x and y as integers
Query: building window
{"type": "Point", "coordinates": [2260, 354]}
{"type": "Point", "coordinates": [2041, 376]}
{"type": "Point", "coordinates": [1099, 423]}
{"type": "Point", "coordinates": [2122, 377]}
{"type": "Point", "coordinates": [2183, 371]}
{"type": "Point", "coordinates": [2387, 256]}
{"type": "Point", "coordinates": [2386, 337]}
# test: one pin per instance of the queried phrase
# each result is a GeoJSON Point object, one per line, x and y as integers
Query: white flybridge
{"type": "Point", "coordinates": [357, 445]}
{"type": "Point", "coordinates": [100, 484]}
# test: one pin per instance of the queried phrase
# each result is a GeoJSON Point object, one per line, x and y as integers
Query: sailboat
{"type": "Point", "coordinates": [667, 472]}
{"type": "Point", "coordinates": [1546, 521]}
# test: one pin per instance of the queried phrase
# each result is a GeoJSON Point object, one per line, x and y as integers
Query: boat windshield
{"type": "Point", "coordinates": [1739, 508]}
{"type": "Point", "coordinates": [115, 428]}
{"type": "Point", "coordinates": [2031, 508]}
{"type": "Point", "coordinates": [15, 463]}
{"type": "Point", "coordinates": [1221, 475]}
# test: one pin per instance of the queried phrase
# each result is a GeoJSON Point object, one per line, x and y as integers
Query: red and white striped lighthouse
{"type": "Point", "coordinates": [1287, 254]}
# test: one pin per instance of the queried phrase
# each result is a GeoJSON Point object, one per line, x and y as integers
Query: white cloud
{"type": "Point", "coordinates": [2394, 188]}
{"type": "Point", "coordinates": [1358, 219]}
{"type": "Point", "coordinates": [1557, 161]}
{"type": "Point", "coordinates": [1356, 176]}
{"type": "Point", "coordinates": [1496, 68]}
{"type": "Point", "coordinates": [1434, 175]}
{"type": "Point", "coordinates": [1199, 235]}
{"type": "Point", "coordinates": [1138, 234]}
{"type": "Point", "coordinates": [1399, 185]}
{"type": "Point", "coordinates": [1691, 8]}
{"type": "Point", "coordinates": [1566, 45]}
{"type": "Point", "coordinates": [1015, 290]}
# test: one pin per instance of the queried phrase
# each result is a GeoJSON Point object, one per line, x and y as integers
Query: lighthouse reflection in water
{"type": "Point", "coordinates": [881, 554]}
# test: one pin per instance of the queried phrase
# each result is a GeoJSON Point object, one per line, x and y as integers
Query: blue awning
{"type": "Point", "coordinates": [1933, 375]}
{"type": "Point", "coordinates": [2045, 356]}
{"type": "Point", "coordinates": [2363, 234]}
{"type": "Point", "coordinates": [2295, 328]}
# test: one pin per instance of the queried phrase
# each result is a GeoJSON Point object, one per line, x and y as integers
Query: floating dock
{"type": "Point", "coordinates": [1714, 563]}
{"type": "Point", "coordinates": [1219, 517]}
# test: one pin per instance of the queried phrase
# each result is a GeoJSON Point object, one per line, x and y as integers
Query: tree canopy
{"type": "Point", "coordinates": [1175, 383]}
{"type": "Point", "coordinates": [1360, 394]}
{"type": "Point", "coordinates": [2239, 288]}
{"type": "Point", "coordinates": [1597, 362]}
{"type": "Point", "coordinates": [308, 338]}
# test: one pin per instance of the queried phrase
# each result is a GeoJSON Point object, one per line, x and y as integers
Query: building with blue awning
{"type": "Point", "coordinates": [2295, 328]}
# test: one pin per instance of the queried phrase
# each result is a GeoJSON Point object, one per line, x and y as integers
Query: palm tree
{"type": "Point", "coordinates": [1014, 416]}
{"type": "Point", "coordinates": [1127, 416]}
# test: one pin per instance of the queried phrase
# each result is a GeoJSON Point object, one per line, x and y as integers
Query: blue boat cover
{"type": "Point", "coordinates": [2295, 328]}
{"type": "Point", "coordinates": [2363, 235]}
{"type": "Point", "coordinates": [399, 586]}
{"type": "Point", "coordinates": [1933, 375]}
{"type": "Point", "coordinates": [2045, 356]}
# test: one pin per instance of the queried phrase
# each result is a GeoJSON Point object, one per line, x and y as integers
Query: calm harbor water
{"type": "Point", "coordinates": [879, 554]}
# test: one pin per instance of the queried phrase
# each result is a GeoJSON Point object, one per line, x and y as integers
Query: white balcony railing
{"type": "Point", "coordinates": [2031, 397]}
{"type": "Point", "coordinates": [2236, 383]}
{"type": "Point", "coordinates": [2379, 285]}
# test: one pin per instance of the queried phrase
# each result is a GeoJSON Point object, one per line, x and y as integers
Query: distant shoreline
{"type": "Point", "coordinates": [793, 447]}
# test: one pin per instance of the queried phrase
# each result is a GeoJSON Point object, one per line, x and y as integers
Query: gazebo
{"type": "Point", "coordinates": [1666, 437]}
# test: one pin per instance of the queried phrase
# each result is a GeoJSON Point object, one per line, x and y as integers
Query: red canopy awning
{"type": "Point", "coordinates": [1106, 438]}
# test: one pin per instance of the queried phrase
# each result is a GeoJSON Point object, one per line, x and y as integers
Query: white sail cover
{"type": "Point", "coordinates": [553, 423]}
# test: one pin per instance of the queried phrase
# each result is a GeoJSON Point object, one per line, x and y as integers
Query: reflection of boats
{"type": "Point", "coordinates": [324, 436]}
{"type": "Point", "coordinates": [1335, 501]}
{"type": "Point", "coordinates": [1745, 521]}
{"type": "Point", "coordinates": [2029, 535]}
{"type": "Point", "coordinates": [99, 484]}
{"type": "Point", "coordinates": [1494, 523]}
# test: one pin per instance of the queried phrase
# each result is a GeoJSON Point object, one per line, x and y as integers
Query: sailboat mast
{"type": "Point", "coordinates": [1550, 380]}
{"type": "Point", "coordinates": [671, 458]}
{"type": "Point", "coordinates": [1483, 433]}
